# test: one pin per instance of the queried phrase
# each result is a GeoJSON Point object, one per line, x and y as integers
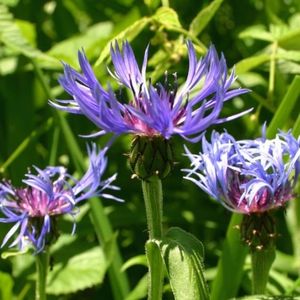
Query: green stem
{"type": "Point", "coordinates": [102, 226]}
{"type": "Point", "coordinates": [42, 264]}
{"type": "Point", "coordinates": [261, 264]}
{"type": "Point", "coordinates": [153, 197]}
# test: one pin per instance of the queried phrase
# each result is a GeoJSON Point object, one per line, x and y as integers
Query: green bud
{"type": "Point", "coordinates": [151, 156]}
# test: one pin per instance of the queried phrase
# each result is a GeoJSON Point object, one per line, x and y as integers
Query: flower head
{"type": "Point", "coordinates": [50, 193]}
{"type": "Point", "coordinates": [247, 176]}
{"type": "Point", "coordinates": [154, 110]}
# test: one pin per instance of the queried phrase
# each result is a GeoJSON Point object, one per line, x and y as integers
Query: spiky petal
{"type": "Point", "coordinates": [49, 193]}
{"type": "Point", "coordinates": [247, 176]}
{"type": "Point", "coordinates": [158, 109]}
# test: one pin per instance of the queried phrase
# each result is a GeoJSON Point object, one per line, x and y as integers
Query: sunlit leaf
{"type": "Point", "coordinates": [257, 32]}
{"type": "Point", "coordinates": [6, 285]}
{"type": "Point", "coordinates": [286, 107]}
{"type": "Point", "coordinates": [203, 17]}
{"type": "Point", "coordinates": [250, 63]}
{"type": "Point", "coordinates": [129, 34]}
{"type": "Point", "coordinates": [291, 40]}
{"type": "Point", "coordinates": [167, 17]}
{"type": "Point", "coordinates": [136, 260]}
{"type": "Point", "coordinates": [140, 290]}
{"type": "Point", "coordinates": [79, 272]}
{"type": "Point", "coordinates": [12, 37]}
{"type": "Point", "coordinates": [89, 41]}
{"type": "Point", "coordinates": [183, 257]}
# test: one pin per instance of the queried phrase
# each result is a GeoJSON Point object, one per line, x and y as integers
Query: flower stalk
{"type": "Point", "coordinates": [42, 264]}
{"type": "Point", "coordinates": [152, 192]}
{"type": "Point", "coordinates": [262, 261]}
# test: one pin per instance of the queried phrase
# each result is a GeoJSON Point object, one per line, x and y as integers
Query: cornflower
{"type": "Point", "coordinates": [154, 110]}
{"type": "Point", "coordinates": [50, 193]}
{"type": "Point", "coordinates": [251, 177]}
{"type": "Point", "coordinates": [247, 176]}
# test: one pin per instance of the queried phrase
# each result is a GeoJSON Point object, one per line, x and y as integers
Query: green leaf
{"type": "Point", "coordinates": [89, 41]}
{"type": "Point", "coordinates": [203, 17]}
{"type": "Point", "coordinates": [6, 285]}
{"type": "Point", "coordinates": [183, 257]}
{"type": "Point", "coordinates": [167, 17]}
{"type": "Point", "coordinates": [288, 55]}
{"type": "Point", "coordinates": [12, 37]}
{"type": "Point", "coordinates": [262, 297]}
{"type": "Point", "coordinates": [152, 3]}
{"type": "Point", "coordinates": [80, 272]}
{"type": "Point", "coordinates": [12, 253]}
{"type": "Point", "coordinates": [136, 260]}
{"type": "Point", "coordinates": [296, 128]}
{"type": "Point", "coordinates": [129, 34]}
{"type": "Point", "coordinates": [257, 32]}
{"type": "Point", "coordinates": [285, 108]}
{"type": "Point", "coordinates": [290, 40]}
{"type": "Point", "coordinates": [140, 290]}
{"type": "Point", "coordinates": [250, 63]}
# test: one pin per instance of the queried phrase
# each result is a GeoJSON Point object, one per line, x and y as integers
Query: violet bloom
{"type": "Point", "coordinates": [153, 110]}
{"type": "Point", "coordinates": [247, 176]}
{"type": "Point", "coordinates": [35, 207]}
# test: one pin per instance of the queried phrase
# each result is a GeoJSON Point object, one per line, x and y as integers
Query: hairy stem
{"type": "Point", "coordinates": [42, 264]}
{"type": "Point", "coordinates": [152, 191]}
{"type": "Point", "coordinates": [261, 264]}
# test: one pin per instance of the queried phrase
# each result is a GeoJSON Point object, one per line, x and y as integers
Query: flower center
{"type": "Point", "coordinates": [38, 204]}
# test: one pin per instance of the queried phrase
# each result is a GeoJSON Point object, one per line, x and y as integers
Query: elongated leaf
{"type": "Point", "coordinates": [257, 32]}
{"type": "Point", "coordinates": [6, 285]}
{"type": "Point", "coordinates": [12, 37]}
{"type": "Point", "coordinates": [288, 55]}
{"type": "Point", "coordinates": [136, 260]}
{"type": "Point", "coordinates": [285, 108]}
{"type": "Point", "coordinates": [250, 63]}
{"type": "Point", "coordinates": [129, 34]}
{"type": "Point", "coordinates": [81, 271]}
{"type": "Point", "coordinates": [203, 17]}
{"type": "Point", "coordinates": [290, 40]}
{"type": "Point", "coordinates": [140, 290]}
{"type": "Point", "coordinates": [167, 17]}
{"type": "Point", "coordinates": [183, 257]}
{"type": "Point", "coordinates": [296, 128]}
{"type": "Point", "coordinates": [89, 40]}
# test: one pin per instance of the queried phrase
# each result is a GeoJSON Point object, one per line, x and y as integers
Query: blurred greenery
{"type": "Point", "coordinates": [260, 37]}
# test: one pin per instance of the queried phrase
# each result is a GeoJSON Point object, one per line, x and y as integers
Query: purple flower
{"type": "Point", "coordinates": [160, 109]}
{"type": "Point", "coordinates": [247, 176]}
{"type": "Point", "coordinates": [48, 194]}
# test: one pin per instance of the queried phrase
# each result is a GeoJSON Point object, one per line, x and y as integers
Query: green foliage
{"type": "Point", "coordinates": [78, 273]}
{"type": "Point", "coordinates": [262, 40]}
{"type": "Point", "coordinates": [6, 285]}
{"type": "Point", "coordinates": [183, 255]}
{"type": "Point", "coordinates": [203, 17]}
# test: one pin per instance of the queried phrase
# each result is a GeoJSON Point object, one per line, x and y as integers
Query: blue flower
{"type": "Point", "coordinates": [153, 110]}
{"type": "Point", "coordinates": [50, 193]}
{"type": "Point", "coordinates": [247, 176]}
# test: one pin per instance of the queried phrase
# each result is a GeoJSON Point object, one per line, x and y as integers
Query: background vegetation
{"type": "Point", "coordinates": [261, 38]}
